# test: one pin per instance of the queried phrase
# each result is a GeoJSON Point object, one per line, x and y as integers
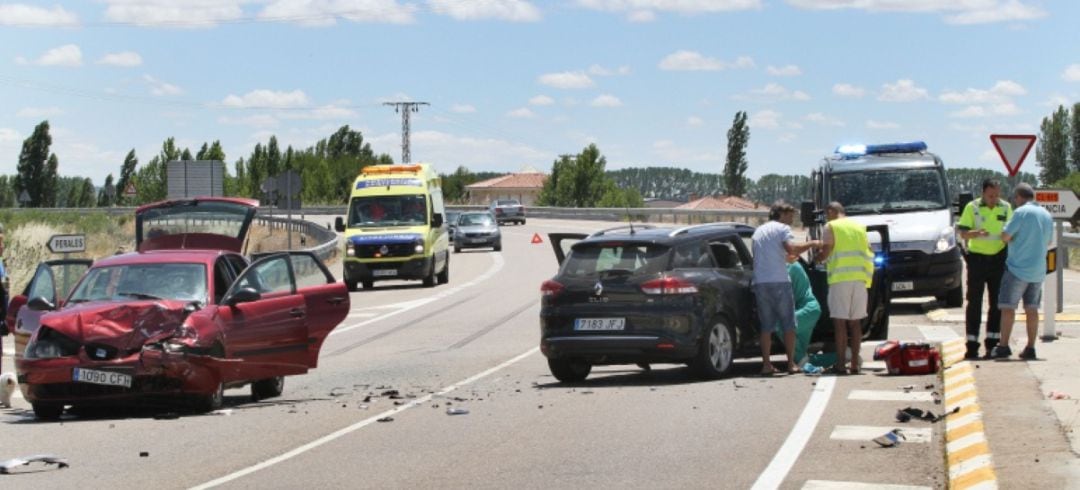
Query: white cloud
{"type": "Point", "coordinates": [521, 113]}
{"type": "Point", "coordinates": [1001, 91]}
{"type": "Point", "coordinates": [902, 91]}
{"type": "Point", "coordinates": [641, 16]}
{"type": "Point", "coordinates": [1056, 100]}
{"type": "Point", "coordinates": [482, 153]}
{"type": "Point", "coordinates": [872, 124]}
{"type": "Point", "coordinates": [124, 59]}
{"type": "Point", "coordinates": [39, 112]}
{"type": "Point", "coordinates": [463, 108]}
{"type": "Point", "coordinates": [684, 60]}
{"type": "Point", "coordinates": [670, 152]}
{"type": "Point", "coordinates": [602, 71]}
{"type": "Point", "coordinates": [784, 71]}
{"type": "Point", "coordinates": [541, 100]}
{"type": "Point", "coordinates": [174, 13]}
{"type": "Point", "coordinates": [9, 135]}
{"type": "Point", "coordinates": [66, 55]}
{"type": "Point", "coordinates": [512, 10]}
{"type": "Point", "coordinates": [18, 14]}
{"type": "Point", "coordinates": [962, 12]}
{"type": "Point", "coordinates": [567, 80]}
{"type": "Point", "coordinates": [632, 7]}
{"type": "Point", "coordinates": [848, 90]}
{"type": "Point", "coordinates": [823, 120]}
{"type": "Point", "coordinates": [337, 111]}
{"type": "Point", "coordinates": [1072, 73]}
{"type": "Point", "coordinates": [315, 13]}
{"type": "Point", "coordinates": [606, 100]}
{"type": "Point", "coordinates": [766, 119]}
{"type": "Point", "coordinates": [774, 92]}
{"type": "Point", "coordinates": [694, 121]}
{"type": "Point", "coordinates": [160, 88]}
{"type": "Point", "coordinates": [267, 99]}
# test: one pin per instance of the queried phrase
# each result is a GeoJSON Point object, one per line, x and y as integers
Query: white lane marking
{"type": "Point", "coordinates": [938, 333]}
{"type": "Point", "coordinates": [361, 315]}
{"type": "Point", "coordinates": [891, 396]}
{"type": "Point", "coordinates": [361, 424]}
{"type": "Point", "coordinates": [964, 442]}
{"type": "Point", "coordinates": [867, 432]}
{"type": "Point", "coordinates": [785, 458]}
{"type": "Point", "coordinates": [850, 485]}
{"type": "Point", "coordinates": [980, 461]}
{"type": "Point", "coordinates": [411, 305]}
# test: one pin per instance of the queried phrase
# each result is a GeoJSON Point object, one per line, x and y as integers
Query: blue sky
{"type": "Point", "coordinates": [514, 83]}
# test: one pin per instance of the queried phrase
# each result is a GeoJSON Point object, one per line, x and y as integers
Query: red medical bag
{"type": "Point", "coordinates": [908, 358]}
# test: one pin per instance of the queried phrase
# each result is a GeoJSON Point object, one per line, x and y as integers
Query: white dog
{"type": "Point", "coordinates": [8, 385]}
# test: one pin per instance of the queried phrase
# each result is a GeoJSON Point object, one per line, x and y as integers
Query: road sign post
{"type": "Point", "coordinates": [1062, 204]}
{"type": "Point", "coordinates": [66, 244]}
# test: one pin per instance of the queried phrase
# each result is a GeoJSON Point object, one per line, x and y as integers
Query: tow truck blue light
{"type": "Point", "coordinates": [879, 260]}
{"type": "Point", "coordinates": [911, 147]}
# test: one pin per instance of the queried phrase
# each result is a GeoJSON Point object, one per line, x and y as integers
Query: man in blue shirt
{"type": "Point", "coordinates": [1029, 234]}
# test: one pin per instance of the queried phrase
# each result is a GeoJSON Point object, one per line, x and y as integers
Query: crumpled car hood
{"type": "Point", "coordinates": [124, 325]}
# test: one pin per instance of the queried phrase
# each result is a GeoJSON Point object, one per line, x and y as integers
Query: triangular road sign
{"type": "Point", "coordinates": [130, 189]}
{"type": "Point", "coordinates": [536, 238]}
{"type": "Point", "coordinates": [1013, 149]}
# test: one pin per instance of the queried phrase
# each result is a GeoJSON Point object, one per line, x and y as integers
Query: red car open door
{"type": "Point", "coordinates": [53, 281]}
{"type": "Point", "coordinates": [327, 300]}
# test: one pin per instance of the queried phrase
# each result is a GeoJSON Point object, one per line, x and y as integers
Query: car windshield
{"type": "Point", "coordinates": [407, 210]}
{"type": "Point", "coordinates": [601, 259]}
{"type": "Point", "coordinates": [888, 191]}
{"type": "Point", "coordinates": [476, 219]}
{"type": "Point", "coordinates": [184, 282]}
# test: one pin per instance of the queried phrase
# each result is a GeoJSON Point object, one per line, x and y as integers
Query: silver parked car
{"type": "Point", "coordinates": [476, 230]}
{"type": "Point", "coordinates": [507, 211]}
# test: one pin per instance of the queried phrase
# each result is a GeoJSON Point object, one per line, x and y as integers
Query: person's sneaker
{"type": "Point", "coordinates": [1028, 354]}
{"type": "Point", "coordinates": [1002, 352]}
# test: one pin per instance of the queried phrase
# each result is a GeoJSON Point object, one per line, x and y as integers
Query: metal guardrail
{"type": "Point", "coordinates": [1070, 240]}
{"type": "Point", "coordinates": [647, 215]}
{"type": "Point", "coordinates": [327, 240]}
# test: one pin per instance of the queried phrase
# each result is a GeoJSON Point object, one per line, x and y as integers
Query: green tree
{"type": "Point", "coordinates": [33, 176]}
{"type": "Point", "coordinates": [550, 193]}
{"type": "Point", "coordinates": [273, 158]}
{"type": "Point", "coordinates": [7, 192]}
{"type": "Point", "coordinates": [735, 164]}
{"type": "Point", "coordinates": [1074, 138]}
{"type": "Point", "coordinates": [108, 194]}
{"type": "Point", "coordinates": [49, 182]}
{"type": "Point", "coordinates": [127, 172]}
{"type": "Point", "coordinates": [1053, 146]}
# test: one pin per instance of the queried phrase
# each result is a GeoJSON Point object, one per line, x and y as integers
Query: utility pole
{"type": "Point", "coordinates": [405, 108]}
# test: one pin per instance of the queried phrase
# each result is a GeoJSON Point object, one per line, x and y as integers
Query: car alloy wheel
{"type": "Point", "coordinates": [721, 347]}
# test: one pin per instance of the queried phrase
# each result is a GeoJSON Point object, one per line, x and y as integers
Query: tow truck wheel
{"type": "Point", "coordinates": [48, 411]}
{"type": "Point", "coordinates": [267, 388]}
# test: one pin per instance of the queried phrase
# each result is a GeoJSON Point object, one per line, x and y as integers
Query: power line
{"type": "Point", "coordinates": [405, 108]}
{"type": "Point", "coordinates": [376, 14]}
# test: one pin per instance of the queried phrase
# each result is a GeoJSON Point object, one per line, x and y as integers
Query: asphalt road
{"type": "Point", "coordinates": [472, 344]}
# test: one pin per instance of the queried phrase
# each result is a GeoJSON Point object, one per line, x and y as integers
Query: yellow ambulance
{"type": "Point", "coordinates": [395, 227]}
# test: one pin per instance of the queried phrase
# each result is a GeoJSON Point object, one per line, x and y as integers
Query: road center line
{"type": "Point", "coordinates": [800, 434]}
{"type": "Point", "coordinates": [412, 305]}
{"type": "Point", "coordinates": [361, 424]}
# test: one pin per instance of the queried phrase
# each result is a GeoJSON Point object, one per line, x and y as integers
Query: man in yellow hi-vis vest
{"type": "Point", "coordinates": [851, 270]}
{"type": "Point", "coordinates": [981, 224]}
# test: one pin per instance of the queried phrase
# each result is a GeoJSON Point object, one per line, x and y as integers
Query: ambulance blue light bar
{"type": "Point", "coordinates": [857, 150]}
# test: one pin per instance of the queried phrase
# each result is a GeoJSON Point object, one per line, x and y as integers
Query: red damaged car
{"type": "Point", "coordinates": [183, 317]}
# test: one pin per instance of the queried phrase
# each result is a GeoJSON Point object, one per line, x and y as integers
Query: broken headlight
{"type": "Point", "coordinates": [185, 336]}
{"type": "Point", "coordinates": [50, 344]}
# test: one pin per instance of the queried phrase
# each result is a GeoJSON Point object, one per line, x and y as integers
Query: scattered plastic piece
{"type": "Point", "coordinates": [144, 454]}
{"type": "Point", "coordinates": [226, 412]}
{"type": "Point", "coordinates": [907, 388]}
{"type": "Point", "coordinates": [890, 439]}
{"type": "Point", "coordinates": [811, 369]}
{"type": "Point", "coordinates": [456, 411]}
{"type": "Point", "coordinates": [7, 466]}
{"type": "Point", "coordinates": [1057, 395]}
{"type": "Point", "coordinates": [386, 419]}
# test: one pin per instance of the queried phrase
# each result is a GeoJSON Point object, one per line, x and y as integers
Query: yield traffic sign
{"type": "Point", "coordinates": [1013, 148]}
{"type": "Point", "coordinates": [1061, 203]}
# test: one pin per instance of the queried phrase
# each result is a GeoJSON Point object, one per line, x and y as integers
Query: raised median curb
{"type": "Point", "coordinates": [967, 450]}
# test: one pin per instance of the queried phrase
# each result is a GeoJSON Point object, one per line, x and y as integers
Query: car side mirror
{"type": "Point", "coordinates": [243, 295]}
{"type": "Point", "coordinates": [437, 220]}
{"type": "Point", "coordinates": [39, 303]}
{"type": "Point", "coordinates": [339, 224]}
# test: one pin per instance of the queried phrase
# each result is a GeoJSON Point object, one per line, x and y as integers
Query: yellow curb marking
{"type": "Point", "coordinates": [969, 466]}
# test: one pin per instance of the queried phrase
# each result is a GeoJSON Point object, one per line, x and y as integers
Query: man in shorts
{"type": "Point", "coordinates": [851, 270]}
{"type": "Point", "coordinates": [772, 243]}
{"type": "Point", "coordinates": [1028, 233]}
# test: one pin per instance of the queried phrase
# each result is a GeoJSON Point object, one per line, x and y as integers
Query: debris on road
{"type": "Point", "coordinates": [386, 419]}
{"type": "Point", "coordinates": [225, 412]}
{"type": "Point", "coordinates": [456, 411]}
{"type": "Point", "coordinates": [144, 454]}
{"type": "Point", "coordinates": [7, 466]}
{"type": "Point", "coordinates": [890, 439]}
{"type": "Point", "coordinates": [907, 388]}
{"type": "Point", "coordinates": [391, 393]}
{"type": "Point", "coordinates": [363, 407]}
{"type": "Point", "coordinates": [1057, 395]}
{"type": "Point", "coordinates": [338, 391]}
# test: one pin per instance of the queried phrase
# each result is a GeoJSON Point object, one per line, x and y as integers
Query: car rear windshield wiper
{"type": "Point", "coordinates": [134, 294]}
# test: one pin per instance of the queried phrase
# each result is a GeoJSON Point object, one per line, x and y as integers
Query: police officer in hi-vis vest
{"type": "Point", "coordinates": [980, 224]}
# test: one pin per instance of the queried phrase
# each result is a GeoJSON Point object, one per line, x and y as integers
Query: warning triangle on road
{"type": "Point", "coordinates": [1013, 149]}
{"type": "Point", "coordinates": [536, 238]}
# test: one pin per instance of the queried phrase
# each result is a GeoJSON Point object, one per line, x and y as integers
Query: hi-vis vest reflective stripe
{"type": "Point", "coordinates": [991, 243]}
{"type": "Point", "coordinates": [851, 259]}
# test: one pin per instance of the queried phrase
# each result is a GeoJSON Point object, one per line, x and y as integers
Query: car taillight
{"type": "Point", "coordinates": [551, 289]}
{"type": "Point", "coordinates": [668, 285]}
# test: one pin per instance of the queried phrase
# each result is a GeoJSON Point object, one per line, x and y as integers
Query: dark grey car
{"type": "Point", "coordinates": [477, 230]}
